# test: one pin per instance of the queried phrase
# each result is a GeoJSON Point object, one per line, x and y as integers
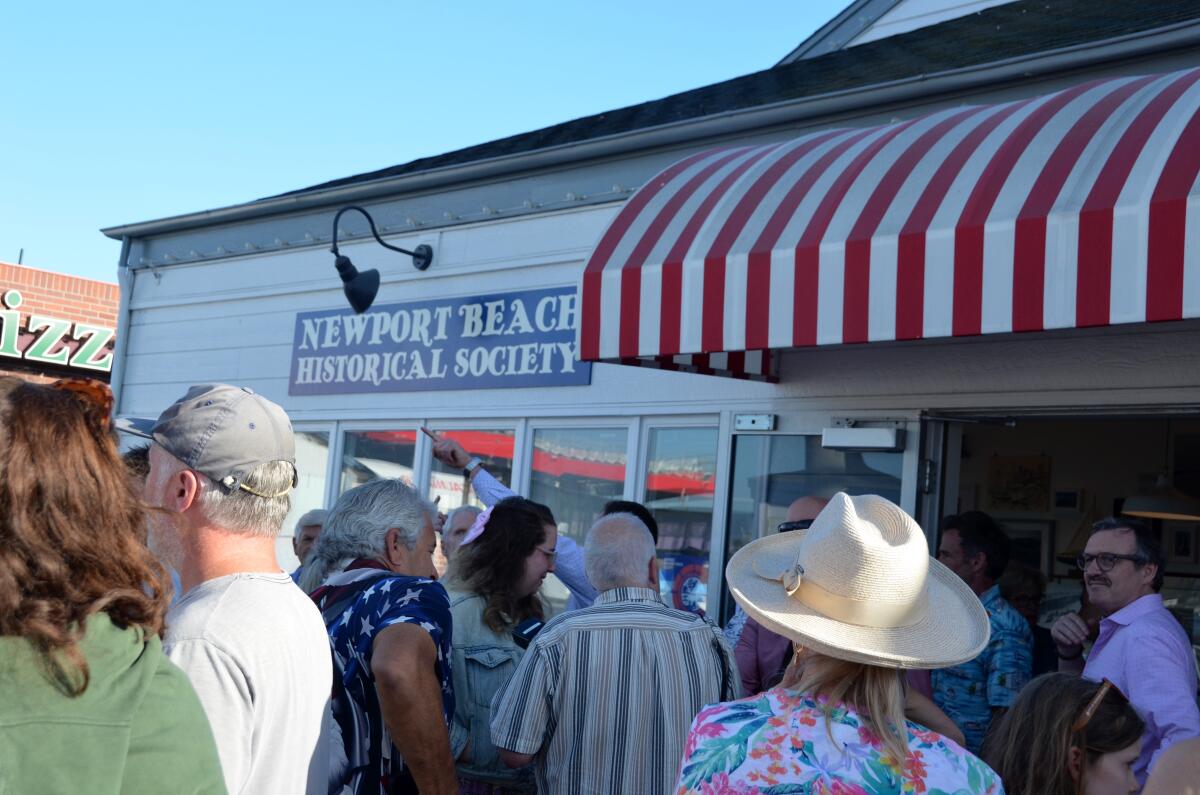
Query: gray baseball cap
{"type": "Point", "coordinates": [222, 431]}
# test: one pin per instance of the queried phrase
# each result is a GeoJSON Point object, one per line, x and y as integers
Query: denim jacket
{"type": "Point", "coordinates": [482, 663]}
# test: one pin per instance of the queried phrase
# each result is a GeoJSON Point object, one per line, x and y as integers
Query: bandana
{"type": "Point", "coordinates": [477, 527]}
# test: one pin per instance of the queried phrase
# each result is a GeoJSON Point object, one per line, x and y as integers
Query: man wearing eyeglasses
{"type": "Point", "coordinates": [1141, 647]}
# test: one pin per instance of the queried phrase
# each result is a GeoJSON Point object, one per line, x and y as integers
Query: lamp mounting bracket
{"type": "Point", "coordinates": [422, 256]}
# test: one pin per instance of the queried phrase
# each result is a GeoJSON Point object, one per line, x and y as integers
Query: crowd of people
{"type": "Point", "coordinates": [149, 641]}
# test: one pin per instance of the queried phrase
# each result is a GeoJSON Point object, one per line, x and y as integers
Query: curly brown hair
{"type": "Point", "coordinates": [493, 564]}
{"type": "Point", "coordinates": [72, 530]}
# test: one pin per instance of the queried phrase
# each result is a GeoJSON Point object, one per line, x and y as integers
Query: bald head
{"type": "Point", "coordinates": [806, 508]}
{"type": "Point", "coordinates": [619, 553]}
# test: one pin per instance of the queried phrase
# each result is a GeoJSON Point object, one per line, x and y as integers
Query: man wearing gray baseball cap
{"type": "Point", "coordinates": [222, 466]}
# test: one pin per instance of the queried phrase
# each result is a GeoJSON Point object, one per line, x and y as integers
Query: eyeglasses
{"type": "Point", "coordinates": [549, 553]}
{"type": "Point", "coordinates": [1105, 560]}
{"type": "Point", "coordinates": [95, 395]}
{"type": "Point", "coordinates": [1084, 717]}
{"type": "Point", "coordinates": [799, 524]}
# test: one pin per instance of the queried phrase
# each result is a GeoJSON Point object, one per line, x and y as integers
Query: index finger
{"type": "Point", "coordinates": [430, 434]}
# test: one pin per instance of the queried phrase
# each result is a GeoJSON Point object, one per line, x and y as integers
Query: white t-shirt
{"type": "Point", "coordinates": [255, 649]}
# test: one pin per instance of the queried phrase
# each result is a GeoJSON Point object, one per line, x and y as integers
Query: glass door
{"type": "Point", "coordinates": [679, 486]}
{"type": "Point", "coordinates": [773, 472]}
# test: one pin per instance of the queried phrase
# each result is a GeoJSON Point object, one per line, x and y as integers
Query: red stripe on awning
{"type": "Point", "coordinates": [965, 221]}
{"type": "Point", "coordinates": [1029, 255]}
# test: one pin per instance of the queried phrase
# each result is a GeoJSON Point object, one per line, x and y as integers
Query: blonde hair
{"type": "Point", "coordinates": [875, 693]}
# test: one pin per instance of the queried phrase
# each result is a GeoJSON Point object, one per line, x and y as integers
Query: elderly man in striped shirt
{"type": "Point", "coordinates": [603, 698]}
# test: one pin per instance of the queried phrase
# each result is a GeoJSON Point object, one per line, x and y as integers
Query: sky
{"type": "Point", "coordinates": [130, 111]}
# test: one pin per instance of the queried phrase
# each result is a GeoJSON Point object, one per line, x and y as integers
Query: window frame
{"type": "Point", "coordinates": [646, 426]}
{"type": "Point", "coordinates": [352, 426]}
{"type": "Point", "coordinates": [425, 446]}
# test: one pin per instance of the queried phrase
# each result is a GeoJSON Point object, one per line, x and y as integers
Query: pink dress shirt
{"type": "Point", "coordinates": [1144, 651]}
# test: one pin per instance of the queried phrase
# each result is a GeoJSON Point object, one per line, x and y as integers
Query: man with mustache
{"type": "Point", "coordinates": [1141, 649]}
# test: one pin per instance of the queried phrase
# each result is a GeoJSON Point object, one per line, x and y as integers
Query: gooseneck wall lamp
{"type": "Point", "coordinates": [361, 288]}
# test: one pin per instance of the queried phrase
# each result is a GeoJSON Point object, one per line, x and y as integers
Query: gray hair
{"type": "Point", "coordinates": [240, 511]}
{"type": "Point", "coordinates": [619, 547]}
{"type": "Point", "coordinates": [357, 526]}
{"type": "Point", "coordinates": [471, 509]}
{"type": "Point", "coordinates": [316, 516]}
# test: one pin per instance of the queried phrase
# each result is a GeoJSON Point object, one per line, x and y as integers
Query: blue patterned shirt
{"type": "Point", "coordinates": [373, 764]}
{"type": "Point", "coordinates": [969, 692]}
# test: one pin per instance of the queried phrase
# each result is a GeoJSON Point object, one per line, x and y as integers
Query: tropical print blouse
{"type": "Point", "coordinates": [777, 742]}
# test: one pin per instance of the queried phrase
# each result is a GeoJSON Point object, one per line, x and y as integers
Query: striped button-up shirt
{"type": "Point", "coordinates": [604, 696]}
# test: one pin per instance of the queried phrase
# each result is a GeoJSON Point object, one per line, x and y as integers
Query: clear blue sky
{"type": "Point", "coordinates": [128, 111]}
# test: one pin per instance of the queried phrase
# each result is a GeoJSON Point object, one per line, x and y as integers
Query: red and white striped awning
{"type": "Point", "coordinates": [1080, 208]}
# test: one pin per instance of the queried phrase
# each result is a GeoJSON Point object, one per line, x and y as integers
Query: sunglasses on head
{"type": "Point", "coordinates": [1090, 710]}
{"type": "Point", "coordinates": [799, 524]}
{"type": "Point", "coordinates": [95, 395]}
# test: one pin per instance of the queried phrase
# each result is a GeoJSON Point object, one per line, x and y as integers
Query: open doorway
{"type": "Point", "coordinates": [1047, 479]}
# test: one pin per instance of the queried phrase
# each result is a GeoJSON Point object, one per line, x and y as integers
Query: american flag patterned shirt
{"type": "Point", "coordinates": [374, 765]}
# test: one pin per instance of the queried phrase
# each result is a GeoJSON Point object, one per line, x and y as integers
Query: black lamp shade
{"type": "Point", "coordinates": [360, 288]}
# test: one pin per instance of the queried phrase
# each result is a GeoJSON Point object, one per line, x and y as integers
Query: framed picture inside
{"type": "Point", "coordinates": [1019, 483]}
{"type": "Point", "coordinates": [1068, 500]}
{"type": "Point", "coordinates": [1031, 542]}
{"type": "Point", "coordinates": [1179, 541]}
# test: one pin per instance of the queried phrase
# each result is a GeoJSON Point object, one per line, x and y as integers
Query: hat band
{"type": "Point", "coordinates": [873, 613]}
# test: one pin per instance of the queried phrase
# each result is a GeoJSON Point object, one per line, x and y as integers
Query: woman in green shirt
{"type": "Point", "coordinates": [88, 701]}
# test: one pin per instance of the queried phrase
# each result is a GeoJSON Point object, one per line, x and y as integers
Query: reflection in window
{"type": "Point", "coordinates": [681, 470]}
{"type": "Point", "coordinates": [771, 472]}
{"type": "Point", "coordinates": [493, 448]}
{"type": "Point", "coordinates": [575, 471]}
{"type": "Point", "coordinates": [312, 458]}
{"type": "Point", "coordinates": [368, 455]}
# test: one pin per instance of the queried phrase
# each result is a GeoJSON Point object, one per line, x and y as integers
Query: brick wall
{"type": "Point", "coordinates": [57, 295]}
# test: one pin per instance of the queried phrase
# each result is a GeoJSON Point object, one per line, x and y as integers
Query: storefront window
{"type": "Point", "coordinates": [368, 455]}
{"type": "Point", "coordinates": [681, 468]}
{"type": "Point", "coordinates": [771, 472]}
{"type": "Point", "coordinates": [576, 471]}
{"type": "Point", "coordinates": [312, 457]}
{"type": "Point", "coordinates": [493, 448]}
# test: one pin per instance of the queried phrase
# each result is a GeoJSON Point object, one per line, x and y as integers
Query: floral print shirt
{"type": "Point", "coordinates": [967, 693]}
{"type": "Point", "coordinates": [777, 742]}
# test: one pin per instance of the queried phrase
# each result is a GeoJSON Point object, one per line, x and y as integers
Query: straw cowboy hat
{"type": "Point", "coordinates": [859, 585]}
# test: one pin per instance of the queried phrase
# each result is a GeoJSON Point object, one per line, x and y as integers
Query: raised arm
{"type": "Point", "coordinates": [569, 565]}
{"type": "Point", "coordinates": [452, 454]}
